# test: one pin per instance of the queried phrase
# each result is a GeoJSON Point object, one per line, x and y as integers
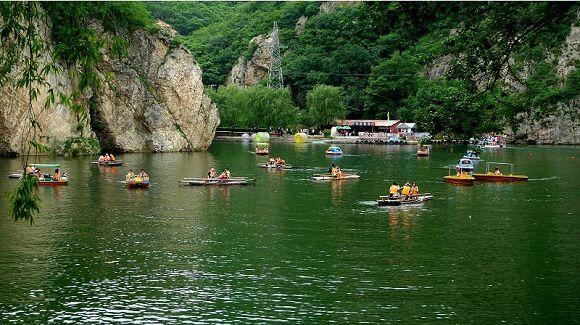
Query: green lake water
{"type": "Point", "coordinates": [290, 249]}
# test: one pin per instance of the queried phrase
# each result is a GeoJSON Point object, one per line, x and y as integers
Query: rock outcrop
{"type": "Point", "coordinates": [56, 123]}
{"type": "Point", "coordinates": [155, 101]}
{"type": "Point", "coordinates": [329, 6]}
{"type": "Point", "coordinates": [300, 25]}
{"type": "Point", "coordinates": [250, 72]}
{"type": "Point", "coordinates": [151, 100]}
{"type": "Point", "coordinates": [562, 127]}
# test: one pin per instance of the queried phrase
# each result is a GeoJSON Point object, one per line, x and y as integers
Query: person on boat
{"type": "Point", "coordinates": [272, 161]}
{"type": "Point", "coordinates": [394, 190]}
{"type": "Point", "coordinates": [143, 175]}
{"type": "Point", "coordinates": [29, 170]}
{"type": "Point", "coordinates": [335, 171]}
{"type": "Point", "coordinates": [461, 172]}
{"type": "Point", "coordinates": [56, 176]}
{"type": "Point", "coordinates": [332, 170]}
{"type": "Point", "coordinates": [112, 157]}
{"type": "Point", "coordinates": [225, 174]}
{"type": "Point", "coordinates": [414, 189]}
{"type": "Point", "coordinates": [107, 157]}
{"type": "Point", "coordinates": [497, 172]}
{"type": "Point", "coordinates": [130, 175]}
{"type": "Point", "coordinates": [406, 191]}
{"type": "Point", "coordinates": [280, 161]}
{"type": "Point", "coordinates": [101, 158]}
{"type": "Point", "coordinates": [212, 173]}
{"type": "Point", "coordinates": [338, 172]}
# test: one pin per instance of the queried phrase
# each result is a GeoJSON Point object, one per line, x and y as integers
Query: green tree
{"type": "Point", "coordinates": [325, 104]}
{"type": "Point", "coordinates": [255, 107]}
{"type": "Point", "coordinates": [450, 107]}
{"type": "Point", "coordinates": [392, 81]}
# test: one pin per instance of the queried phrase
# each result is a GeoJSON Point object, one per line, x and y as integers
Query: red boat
{"type": "Point", "coordinates": [137, 183]}
{"type": "Point", "coordinates": [497, 176]}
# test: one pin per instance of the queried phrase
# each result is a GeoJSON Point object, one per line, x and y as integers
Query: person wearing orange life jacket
{"type": "Point", "coordinates": [406, 190]}
{"type": "Point", "coordinates": [394, 190]}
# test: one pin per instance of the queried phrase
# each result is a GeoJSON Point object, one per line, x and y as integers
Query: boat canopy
{"type": "Point", "coordinates": [44, 165]}
{"type": "Point", "coordinates": [492, 164]}
{"type": "Point", "coordinates": [335, 149]}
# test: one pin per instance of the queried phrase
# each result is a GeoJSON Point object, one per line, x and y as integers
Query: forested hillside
{"type": "Point", "coordinates": [456, 68]}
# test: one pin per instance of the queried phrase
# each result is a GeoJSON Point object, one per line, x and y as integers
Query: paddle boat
{"type": "Point", "coordinates": [386, 200]}
{"type": "Point", "coordinates": [137, 182]}
{"type": "Point", "coordinates": [465, 164]}
{"type": "Point", "coordinates": [423, 151]}
{"type": "Point", "coordinates": [330, 177]}
{"type": "Point", "coordinates": [497, 176]}
{"type": "Point", "coordinates": [335, 151]}
{"type": "Point", "coordinates": [200, 181]}
{"type": "Point", "coordinates": [262, 151]}
{"type": "Point", "coordinates": [16, 175]}
{"type": "Point", "coordinates": [108, 162]}
{"type": "Point", "coordinates": [47, 179]}
{"type": "Point", "coordinates": [276, 166]}
{"type": "Point", "coordinates": [463, 178]}
{"type": "Point", "coordinates": [471, 154]}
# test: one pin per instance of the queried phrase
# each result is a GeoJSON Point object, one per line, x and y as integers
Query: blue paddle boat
{"type": "Point", "coordinates": [335, 151]}
{"type": "Point", "coordinates": [472, 155]}
{"type": "Point", "coordinates": [465, 164]}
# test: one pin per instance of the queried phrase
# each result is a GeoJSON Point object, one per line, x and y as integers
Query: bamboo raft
{"type": "Point", "coordinates": [108, 162]}
{"type": "Point", "coordinates": [216, 181]}
{"type": "Point", "coordinates": [280, 167]}
{"type": "Point", "coordinates": [329, 177]}
{"type": "Point", "coordinates": [386, 200]}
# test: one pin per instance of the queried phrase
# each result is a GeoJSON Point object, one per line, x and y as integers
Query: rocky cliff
{"type": "Point", "coordinates": [249, 72]}
{"type": "Point", "coordinates": [151, 100]}
{"type": "Point", "coordinates": [562, 127]}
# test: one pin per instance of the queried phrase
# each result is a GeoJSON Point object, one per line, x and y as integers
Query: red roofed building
{"type": "Point", "coordinates": [387, 126]}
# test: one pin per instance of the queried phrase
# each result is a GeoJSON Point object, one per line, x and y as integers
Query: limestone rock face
{"type": "Point", "coordinates": [559, 128]}
{"type": "Point", "coordinates": [570, 53]}
{"type": "Point", "coordinates": [55, 123]}
{"type": "Point", "coordinates": [151, 100]}
{"type": "Point", "coordinates": [329, 6]}
{"type": "Point", "coordinates": [251, 72]}
{"type": "Point", "coordinates": [563, 127]}
{"type": "Point", "coordinates": [300, 25]}
{"type": "Point", "coordinates": [155, 100]}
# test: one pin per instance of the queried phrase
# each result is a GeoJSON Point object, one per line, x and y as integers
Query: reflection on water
{"type": "Point", "coordinates": [290, 249]}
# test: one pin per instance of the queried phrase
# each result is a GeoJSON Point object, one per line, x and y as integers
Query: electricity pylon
{"type": "Point", "coordinates": [275, 77]}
